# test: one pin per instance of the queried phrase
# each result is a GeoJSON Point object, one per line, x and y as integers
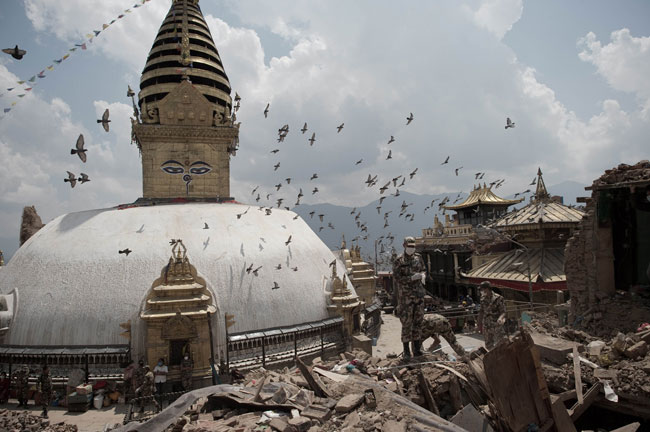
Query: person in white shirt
{"type": "Point", "coordinates": [160, 375]}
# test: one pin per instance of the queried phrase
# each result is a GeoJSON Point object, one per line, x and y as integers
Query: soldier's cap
{"type": "Point", "coordinates": [410, 241]}
{"type": "Point", "coordinates": [485, 285]}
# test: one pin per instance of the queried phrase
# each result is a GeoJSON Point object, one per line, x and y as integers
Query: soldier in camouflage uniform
{"type": "Point", "coordinates": [138, 375]}
{"type": "Point", "coordinates": [22, 386]}
{"type": "Point", "coordinates": [187, 365]}
{"type": "Point", "coordinates": [45, 386]}
{"type": "Point", "coordinates": [492, 315]}
{"type": "Point", "coordinates": [409, 274]}
{"type": "Point", "coordinates": [147, 389]}
{"type": "Point", "coordinates": [436, 325]}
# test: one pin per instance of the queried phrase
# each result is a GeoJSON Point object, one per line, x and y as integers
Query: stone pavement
{"type": "Point", "coordinates": [91, 421]}
{"type": "Point", "coordinates": [390, 339]}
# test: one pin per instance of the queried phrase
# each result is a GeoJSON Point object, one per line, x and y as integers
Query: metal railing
{"type": "Point", "coordinates": [265, 347]}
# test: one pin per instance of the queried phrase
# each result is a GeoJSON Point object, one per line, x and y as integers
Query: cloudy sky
{"type": "Point", "coordinates": [571, 74]}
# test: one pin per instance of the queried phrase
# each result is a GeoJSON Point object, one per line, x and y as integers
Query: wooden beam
{"type": "Point", "coordinates": [577, 374]}
{"type": "Point", "coordinates": [428, 397]}
{"type": "Point", "coordinates": [319, 388]}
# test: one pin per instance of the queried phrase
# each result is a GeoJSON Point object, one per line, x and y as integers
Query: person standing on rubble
{"type": "Point", "coordinates": [492, 315]}
{"type": "Point", "coordinates": [409, 273]}
{"type": "Point", "coordinates": [187, 366]}
{"type": "Point", "coordinates": [22, 386]}
{"type": "Point", "coordinates": [45, 386]}
{"type": "Point", "coordinates": [138, 375]}
{"type": "Point", "coordinates": [146, 390]}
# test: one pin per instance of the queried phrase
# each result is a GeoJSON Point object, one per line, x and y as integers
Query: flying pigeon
{"type": "Point", "coordinates": [83, 179]}
{"type": "Point", "coordinates": [15, 52]}
{"type": "Point", "coordinates": [278, 267]}
{"type": "Point", "coordinates": [129, 91]}
{"type": "Point", "coordinates": [126, 251]}
{"type": "Point", "coordinates": [446, 161]}
{"type": "Point", "coordinates": [254, 190]}
{"type": "Point", "coordinates": [80, 150]}
{"type": "Point", "coordinates": [266, 110]}
{"type": "Point", "coordinates": [314, 176]}
{"type": "Point", "coordinates": [390, 155]}
{"type": "Point", "coordinates": [276, 166]}
{"type": "Point", "coordinates": [288, 241]}
{"type": "Point", "coordinates": [339, 128]}
{"type": "Point", "coordinates": [391, 140]}
{"type": "Point", "coordinates": [457, 169]}
{"type": "Point", "coordinates": [359, 161]}
{"type": "Point", "coordinates": [72, 179]}
{"type": "Point", "coordinates": [249, 269]}
{"type": "Point", "coordinates": [509, 123]}
{"type": "Point", "coordinates": [409, 119]}
{"type": "Point", "coordinates": [413, 173]}
{"type": "Point", "coordinates": [312, 139]}
{"type": "Point", "coordinates": [256, 270]}
{"type": "Point", "coordinates": [314, 191]}
{"type": "Point", "coordinates": [294, 268]}
{"type": "Point", "coordinates": [533, 182]}
{"type": "Point", "coordinates": [205, 225]}
{"type": "Point", "coordinates": [275, 285]}
{"type": "Point", "coordinates": [304, 128]}
{"type": "Point", "coordinates": [274, 151]}
{"type": "Point", "coordinates": [104, 120]}
{"type": "Point", "coordinates": [237, 97]}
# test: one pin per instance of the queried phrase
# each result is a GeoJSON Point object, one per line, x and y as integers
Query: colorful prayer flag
{"type": "Point", "coordinates": [32, 79]}
{"type": "Point", "coordinates": [58, 61]}
{"type": "Point", "coordinates": [10, 89]}
{"type": "Point", "coordinates": [89, 35]}
{"type": "Point", "coordinates": [97, 32]}
{"type": "Point", "coordinates": [66, 56]}
{"type": "Point", "coordinates": [28, 88]}
{"type": "Point", "coordinates": [41, 74]}
{"type": "Point", "coordinates": [104, 26]}
{"type": "Point", "coordinates": [120, 16]}
{"type": "Point", "coordinates": [7, 110]}
{"type": "Point", "coordinates": [21, 82]}
{"type": "Point", "coordinates": [21, 95]}
{"type": "Point", "coordinates": [50, 67]}
{"type": "Point", "coordinates": [72, 49]}
{"type": "Point", "coordinates": [83, 46]}
{"type": "Point", "coordinates": [111, 22]}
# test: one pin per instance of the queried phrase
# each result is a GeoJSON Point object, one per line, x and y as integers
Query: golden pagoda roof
{"type": "Point", "coordinates": [184, 49]}
{"type": "Point", "coordinates": [541, 210]}
{"type": "Point", "coordinates": [483, 195]}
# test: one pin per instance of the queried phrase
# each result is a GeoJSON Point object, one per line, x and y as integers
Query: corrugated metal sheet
{"type": "Point", "coordinates": [546, 265]}
{"type": "Point", "coordinates": [545, 212]}
{"type": "Point", "coordinates": [483, 195]}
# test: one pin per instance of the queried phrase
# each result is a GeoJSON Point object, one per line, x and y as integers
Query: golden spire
{"type": "Point", "coordinates": [541, 192]}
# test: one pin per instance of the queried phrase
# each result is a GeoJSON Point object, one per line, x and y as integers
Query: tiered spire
{"type": "Point", "coordinates": [541, 193]}
{"type": "Point", "coordinates": [184, 49]}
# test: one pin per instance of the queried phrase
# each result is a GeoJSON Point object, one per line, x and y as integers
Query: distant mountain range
{"type": "Point", "coordinates": [343, 218]}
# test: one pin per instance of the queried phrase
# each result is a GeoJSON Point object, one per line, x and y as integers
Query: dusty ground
{"type": "Point", "coordinates": [390, 339]}
{"type": "Point", "coordinates": [91, 421]}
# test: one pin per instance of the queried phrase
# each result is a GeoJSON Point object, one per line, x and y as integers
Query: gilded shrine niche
{"type": "Point", "coordinates": [177, 314]}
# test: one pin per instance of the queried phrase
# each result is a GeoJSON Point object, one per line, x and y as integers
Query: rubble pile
{"type": "Point", "coordinates": [26, 421]}
{"type": "Point", "coordinates": [354, 391]}
{"type": "Point", "coordinates": [625, 173]}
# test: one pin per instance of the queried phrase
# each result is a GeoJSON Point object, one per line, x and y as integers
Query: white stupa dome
{"type": "Point", "coordinates": [71, 286]}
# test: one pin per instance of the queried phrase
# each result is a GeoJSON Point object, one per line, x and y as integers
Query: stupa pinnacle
{"type": "Point", "coordinates": [185, 130]}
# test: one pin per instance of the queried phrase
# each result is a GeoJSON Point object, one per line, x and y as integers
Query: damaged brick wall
{"type": "Point", "coordinates": [589, 256]}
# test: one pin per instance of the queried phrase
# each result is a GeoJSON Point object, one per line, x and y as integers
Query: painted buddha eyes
{"type": "Point", "coordinates": [196, 168]}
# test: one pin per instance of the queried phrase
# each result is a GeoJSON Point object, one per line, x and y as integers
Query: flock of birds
{"type": "Point", "coordinates": [80, 150]}
{"type": "Point", "coordinates": [406, 210]}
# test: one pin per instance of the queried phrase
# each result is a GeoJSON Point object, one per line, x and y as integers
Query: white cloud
{"type": "Point", "coordinates": [128, 40]}
{"type": "Point", "coordinates": [347, 65]}
{"type": "Point", "coordinates": [498, 16]}
{"type": "Point", "coordinates": [624, 62]}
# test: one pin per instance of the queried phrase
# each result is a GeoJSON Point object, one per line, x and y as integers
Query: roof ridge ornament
{"type": "Point", "coordinates": [541, 193]}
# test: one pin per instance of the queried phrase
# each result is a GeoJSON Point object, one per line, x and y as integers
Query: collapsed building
{"type": "Point", "coordinates": [609, 252]}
